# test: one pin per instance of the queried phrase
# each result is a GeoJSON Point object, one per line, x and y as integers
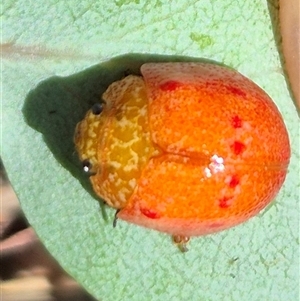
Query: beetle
{"type": "Point", "coordinates": [187, 148]}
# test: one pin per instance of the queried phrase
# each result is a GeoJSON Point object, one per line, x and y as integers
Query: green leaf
{"type": "Point", "coordinates": [58, 57]}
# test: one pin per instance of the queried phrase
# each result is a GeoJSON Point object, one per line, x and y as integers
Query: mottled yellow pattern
{"type": "Point", "coordinates": [123, 145]}
{"type": "Point", "coordinates": [85, 142]}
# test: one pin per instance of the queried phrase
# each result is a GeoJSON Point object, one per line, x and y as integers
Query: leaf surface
{"type": "Point", "coordinates": [57, 59]}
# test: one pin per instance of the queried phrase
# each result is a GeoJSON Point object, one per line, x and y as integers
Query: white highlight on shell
{"type": "Point", "coordinates": [207, 172]}
{"type": "Point", "coordinates": [216, 165]}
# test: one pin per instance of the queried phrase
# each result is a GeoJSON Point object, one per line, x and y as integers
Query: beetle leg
{"type": "Point", "coordinates": [116, 218]}
{"type": "Point", "coordinates": [181, 242]}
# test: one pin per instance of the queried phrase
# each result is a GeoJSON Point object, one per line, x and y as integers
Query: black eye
{"type": "Point", "coordinates": [97, 108]}
{"type": "Point", "coordinates": [86, 165]}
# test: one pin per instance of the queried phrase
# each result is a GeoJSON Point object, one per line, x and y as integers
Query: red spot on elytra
{"type": "Point", "coordinates": [170, 85]}
{"type": "Point", "coordinates": [225, 202]}
{"type": "Point", "coordinates": [236, 91]}
{"type": "Point", "coordinates": [149, 213]}
{"type": "Point", "coordinates": [236, 122]}
{"type": "Point", "coordinates": [238, 147]}
{"type": "Point", "coordinates": [234, 181]}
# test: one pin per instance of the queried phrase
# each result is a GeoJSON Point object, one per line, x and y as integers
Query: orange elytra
{"type": "Point", "coordinates": [186, 149]}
